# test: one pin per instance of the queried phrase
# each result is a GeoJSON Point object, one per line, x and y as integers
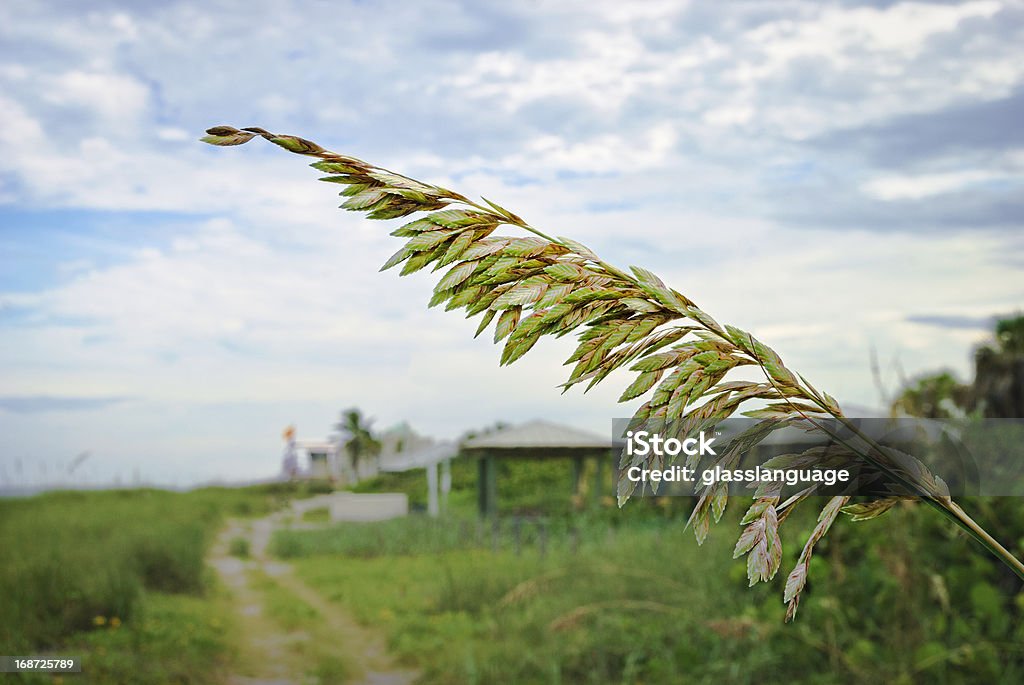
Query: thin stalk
{"type": "Point", "coordinates": [952, 511]}
{"type": "Point", "coordinates": [943, 504]}
{"type": "Point", "coordinates": [523, 225]}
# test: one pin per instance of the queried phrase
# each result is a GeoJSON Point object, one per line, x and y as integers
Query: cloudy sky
{"type": "Point", "coordinates": [834, 177]}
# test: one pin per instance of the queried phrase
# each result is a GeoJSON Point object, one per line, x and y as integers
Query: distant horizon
{"type": "Point", "coordinates": [272, 472]}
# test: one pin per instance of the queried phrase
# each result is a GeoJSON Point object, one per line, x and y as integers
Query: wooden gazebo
{"type": "Point", "coordinates": [535, 440]}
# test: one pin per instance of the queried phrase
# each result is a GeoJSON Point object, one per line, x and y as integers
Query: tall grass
{"type": "Point", "coordinates": [71, 559]}
{"type": "Point", "coordinates": [419, 535]}
{"type": "Point", "coordinates": [905, 603]}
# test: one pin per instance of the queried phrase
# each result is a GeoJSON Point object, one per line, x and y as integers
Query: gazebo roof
{"type": "Point", "coordinates": [538, 434]}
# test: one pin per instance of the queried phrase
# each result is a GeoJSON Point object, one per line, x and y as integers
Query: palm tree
{"type": "Point", "coordinates": [996, 392]}
{"type": "Point", "coordinates": [934, 396]}
{"type": "Point", "coordinates": [999, 372]}
{"type": "Point", "coordinates": [355, 437]}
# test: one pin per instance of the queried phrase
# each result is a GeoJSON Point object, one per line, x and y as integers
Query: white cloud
{"type": "Point", "coordinates": [114, 97]}
{"type": "Point", "coordinates": [173, 134]}
{"type": "Point", "coordinates": [729, 115]}
{"type": "Point", "coordinates": [833, 34]}
{"type": "Point", "coordinates": [602, 154]}
{"type": "Point", "coordinates": [926, 185]}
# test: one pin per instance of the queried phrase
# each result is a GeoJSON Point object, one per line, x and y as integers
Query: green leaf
{"type": "Point", "coordinates": [579, 248]}
{"type": "Point", "coordinates": [780, 410]}
{"type": "Point", "coordinates": [719, 501]}
{"type": "Point", "coordinates": [457, 218]}
{"type": "Point", "coordinates": [503, 265]}
{"type": "Point", "coordinates": [527, 247]}
{"type": "Point", "coordinates": [458, 246]}
{"type": "Point", "coordinates": [396, 258]}
{"type": "Point", "coordinates": [648, 278]}
{"type": "Point", "coordinates": [438, 297]}
{"type": "Point", "coordinates": [506, 322]}
{"type": "Point", "coordinates": [795, 582]}
{"type": "Point", "coordinates": [365, 199]}
{"type": "Point", "coordinates": [464, 295]}
{"type": "Point", "coordinates": [642, 384]}
{"type": "Point", "coordinates": [505, 213]}
{"type": "Point", "coordinates": [865, 511]}
{"type": "Point", "coordinates": [564, 271]}
{"type": "Point", "coordinates": [296, 144]}
{"type": "Point", "coordinates": [554, 295]}
{"type": "Point", "coordinates": [334, 167]}
{"type": "Point", "coordinates": [483, 248]}
{"type": "Point", "coordinates": [514, 349]}
{"type": "Point", "coordinates": [456, 275]}
{"type": "Point", "coordinates": [427, 241]}
{"type": "Point", "coordinates": [640, 305]}
{"type": "Point", "coordinates": [747, 538]}
{"type": "Point", "coordinates": [416, 262]}
{"type": "Point", "coordinates": [755, 511]}
{"type": "Point", "coordinates": [418, 226]}
{"type": "Point", "coordinates": [226, 135]}
{"type": "Point", "coordinates": [521, 294]}
{"type": "Point", "coordinates": [484, 321]}
{"type": "Point", "coordinates": [773, 364]}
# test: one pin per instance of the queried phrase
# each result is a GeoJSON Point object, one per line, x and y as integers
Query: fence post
{"type": "Point", "coordinates": [433, 498]}
{"type": "Point", "coordinates": [577, 479]}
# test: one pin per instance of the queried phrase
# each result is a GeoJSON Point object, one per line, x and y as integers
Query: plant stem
{"type": "Point", "coordinates": [952, 510]}
{"type": "Point", "coordinates": [943, 504]}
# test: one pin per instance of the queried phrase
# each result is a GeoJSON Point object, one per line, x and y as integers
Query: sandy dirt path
{"type": "Point", "coordinates": [271, 655]}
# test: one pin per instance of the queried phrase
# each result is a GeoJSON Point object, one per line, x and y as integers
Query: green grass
{"type": "Point", "coordinates": [639, 602]}
{"type": "Point", "coordinates": [289, 611]}
{"type": "Point", "coordinates": [399, 536]}
{"type": "Point", "coordinates": [317, 515]}
{"type": "Point", "coordinates": [478, 616]}
{"type": "Point", "coordinates": [96, 571]}
{"type": "Point", "coordinates": [619, 596]}
{"type": "Point", "coordinates": [424, 535]}
{"type": "Point", "coordinates": [173, 639]}
{"type": "Point", "coordinates": [525, 488]}
{"type": "Point", "coordinates": [239, 547]}
{"type": "Point", "coordinates": [902, 599]}
{"type": "Point", "coordinates": [323, 654]}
